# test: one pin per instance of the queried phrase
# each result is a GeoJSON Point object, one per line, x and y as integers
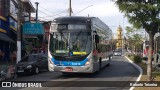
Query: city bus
{"type": "Point", "coordinates": [79, 45]}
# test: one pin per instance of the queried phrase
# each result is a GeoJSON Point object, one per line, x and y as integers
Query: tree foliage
{"type": "Point", "coordinates": [143, 14]}
{"type": "Point", "coordinates": [134, 38]}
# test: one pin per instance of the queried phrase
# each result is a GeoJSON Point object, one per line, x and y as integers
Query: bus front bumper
{"type": "Point", "coordinates": [75, 69]}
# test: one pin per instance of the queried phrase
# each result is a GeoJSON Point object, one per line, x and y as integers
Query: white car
{"type": "Point", "coordinates": [117, 53]}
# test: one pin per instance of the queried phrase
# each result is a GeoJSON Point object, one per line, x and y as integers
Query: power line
{"type": "Point", "coordinates": [55, 13]}
{"type": "Point", "coordinates": [45, 8]}
{"type": "Point", "coordinates": [49, 15]}
{"type": "Point", "coordinates": [43, 12]}
{"type": "Point", "coordinates": [33, 14]}
{"type": "Point", "coordinates": [86, 1]}
{"type": "Point", "coordinates": [83, 9]}
{"type": "Point", "coordinates": [45, 16]}
{"type": "Point", "coordinates": [50, 11]}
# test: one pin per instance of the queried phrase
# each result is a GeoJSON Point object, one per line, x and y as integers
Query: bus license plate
{"type": "Point", "coordinates": [68, 69]}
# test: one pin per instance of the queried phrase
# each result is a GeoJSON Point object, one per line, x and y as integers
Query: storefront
{"type": "Point", "coordinates": [5, 40]}
{"type": "Point", "coordinates": [33, 33]}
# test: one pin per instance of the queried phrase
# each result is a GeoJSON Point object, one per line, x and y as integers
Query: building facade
{"type": "Point", "coordinates": [8, 25]}
{"type": "Point", "coordinates": [119, 35]}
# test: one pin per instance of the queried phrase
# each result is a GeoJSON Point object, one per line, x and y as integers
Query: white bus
{"type": "Point", "coordinates": [79, 45]}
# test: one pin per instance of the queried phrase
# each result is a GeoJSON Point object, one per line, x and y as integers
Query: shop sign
{"type": "Point", "coordinates": [33, 28]}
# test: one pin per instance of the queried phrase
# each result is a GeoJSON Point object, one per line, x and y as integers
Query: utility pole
{"type": "Point", "coordinates": [70, 8]}
{"type": "Point", "coordinates": [36, 11]}
{"type": "Point", "coordinates": [19, 31]}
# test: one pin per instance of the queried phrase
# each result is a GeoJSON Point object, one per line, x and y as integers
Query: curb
{"type": "Point", "coordinates": [140, 70]}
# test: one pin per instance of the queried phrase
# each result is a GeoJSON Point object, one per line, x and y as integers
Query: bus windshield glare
{"type": "Point", "coordinates": [70, 43]}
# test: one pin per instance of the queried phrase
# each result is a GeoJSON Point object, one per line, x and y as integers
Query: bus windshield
{"type": "Point", "coordinates": [70, 43]}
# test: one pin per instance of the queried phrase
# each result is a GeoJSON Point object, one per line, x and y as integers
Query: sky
{"type": "Point", "coordinates": [105, 10]}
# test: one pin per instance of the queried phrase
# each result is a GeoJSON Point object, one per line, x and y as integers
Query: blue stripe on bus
{"type": "Point", "coordinates": [69, 63]}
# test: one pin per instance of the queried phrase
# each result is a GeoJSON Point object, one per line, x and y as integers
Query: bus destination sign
{"type": "Point", "coordinates": [71, 27]}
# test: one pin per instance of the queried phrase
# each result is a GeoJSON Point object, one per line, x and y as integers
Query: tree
{"type": "Point", "coordinates": [134, 38]}
{"type": "Point", "coordinates": [143, 14]}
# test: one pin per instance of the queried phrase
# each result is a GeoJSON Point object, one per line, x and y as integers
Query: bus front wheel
{"type": "Point", "coordinates": [100, 63]}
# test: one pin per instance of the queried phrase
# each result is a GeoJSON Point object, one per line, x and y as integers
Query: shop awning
{"type": "Point", "coordinates": [4, 37]}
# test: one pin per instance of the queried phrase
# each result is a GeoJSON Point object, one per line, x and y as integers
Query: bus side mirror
{"type": "Point", "coordinates": [96, 38]}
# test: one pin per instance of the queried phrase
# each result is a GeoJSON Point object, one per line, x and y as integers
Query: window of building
{"type": "Point", "coordinates": [13, 10]}
{"type": "Point", "coordinates": [2, 8]}
{"type": "Point", "coordinates": [120, 33]}
{"type": "Point", "coordinates": [13, 22]}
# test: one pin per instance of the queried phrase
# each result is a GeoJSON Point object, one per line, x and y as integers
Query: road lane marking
{"type": "Point", "coordinates": [140, 70]}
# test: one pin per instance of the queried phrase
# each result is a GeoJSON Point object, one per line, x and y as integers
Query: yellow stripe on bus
{"type": "Point", "coordinates": [79, 53]}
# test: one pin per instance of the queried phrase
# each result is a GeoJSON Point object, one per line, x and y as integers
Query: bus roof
{"type": "Point", "coordinates": [72, 19]}
{"type": "Point", "coordinates": [82, 20]}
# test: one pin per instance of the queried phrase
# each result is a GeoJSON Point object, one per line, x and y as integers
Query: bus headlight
{"type": "Point", "coordinates": [88, 62]}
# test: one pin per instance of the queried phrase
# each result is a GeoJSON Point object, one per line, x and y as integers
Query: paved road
{"type": "Point", "coordinates": [118, 73]}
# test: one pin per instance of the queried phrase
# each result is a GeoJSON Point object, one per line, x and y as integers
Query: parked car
{"type": "Point", "coordinates": [117, 53]}
{"type": "Point", "coordinates": [32, 64]}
